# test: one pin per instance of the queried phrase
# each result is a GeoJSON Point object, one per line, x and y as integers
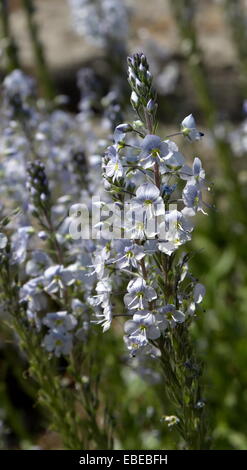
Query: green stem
{"type": "Point", "coordinates": [183, 386]}
{"type": "Point", "coordinates": [182, 374]}
{"type": "Point", "coordinates": [41, 65]}
{"type": "Point", "coordinates": [237, 20]}
{"type": "Point", "coordinates": [11, 48]}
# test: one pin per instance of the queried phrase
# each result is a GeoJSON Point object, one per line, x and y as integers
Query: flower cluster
{"type": "Point", "coordinates": [149, 175]}
{"type": "Point", "coordinates": [45, 166]}
{"type": "Point", "coordinates": [140, 80]}
{"type": "Point", "coordinates": [57, 283]}
{"type": "Point", "coordinates": [101, 21]}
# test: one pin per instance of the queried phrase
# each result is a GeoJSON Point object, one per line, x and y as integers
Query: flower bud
{"type": "Point", "coordinates": [124, 128]}
{"type": "Point", "coordinates": [134, 99]}
{"type": "Point", "coordinates": [151, 106]}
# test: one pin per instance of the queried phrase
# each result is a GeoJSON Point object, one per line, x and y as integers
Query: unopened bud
{"type": "Point", "coordinates": [124, 128]}
{"type": "Point", "coordinates": [151, 106]}
{"type": "Point", "coordinates": [134, 99]}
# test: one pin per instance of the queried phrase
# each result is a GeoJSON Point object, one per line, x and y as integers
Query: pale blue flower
{"type": "Point", "coordinates": [100, 21]}
{"type": "Point", "coordinates": [77, 306]}
{"type": "Point", "coordinates": [18, 84]}
{"type": "Point", "coordinates": [174, 160]}
{"type": "Point", "coordinates": [153, 151]}
{"type": "Point", "coordinates": [33, 293]}
{"type": "Point", "coordinates": [174, 231]}
{"type": "Point", "coordinates": [129, 254]}
{"type": "Point", "coordinates": [169, 316]}
{"type": "Point", "coordinates": [139, 346]}
{"type": "Point", "coordinates": [136, 344]}
{"type": "Point", "coordinates": [62, 321]}
{"type": "Point", "coordinates": [196, 174]}
{"type": "Point", "coordinates": [189, 129]}
{"type": "Point", "coordinates": [139, 294]}
{"type": "Point", "coordinates": [38, 263]}
{"type": "Point", "coordinates": [57, 278]}
{"type": "Point", "coordinates": [192, 198]}
{"type": "Point", "coordinates": [58, 342]}
{"type": "Point", "coordinates": [148, 197]}
{"type": "Point", "coordinates": [199, 292]}
{"type": "Point", "coordinates": [137, 226]}
{"type": "Point", "coordinates": [120, 132]}
{"type": "Point", "coordinates": [143, 323]}
{"type": "Point", "coordinates": [198, 171]}
{"type": "Point", "coordinates": [20, 242]}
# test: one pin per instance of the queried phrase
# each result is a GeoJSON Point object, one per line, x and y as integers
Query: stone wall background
{"type": "Point", "coordinates": [152, 30]}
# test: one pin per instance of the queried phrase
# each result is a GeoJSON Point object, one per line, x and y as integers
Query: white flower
{"type": "Point", "coordinates": [103, 289]}
{"type": "Point", "coordinates": [105, 318]}
{"type": "Point", "coordinates": [3, 241]}
{"type": "Point", "coordinates": [114, 168]}
{"type": "Point", "coordinates": [171, 420]}
{"type": "Point", "coordinates": [102, 299]}
{"type": "Point", "coordinates": [99, 262]}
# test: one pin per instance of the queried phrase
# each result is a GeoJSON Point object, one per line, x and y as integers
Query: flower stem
{"type": "Point", "coordinates": [42, 69]}
{"type": "Point", "coordinates": [11, 48]}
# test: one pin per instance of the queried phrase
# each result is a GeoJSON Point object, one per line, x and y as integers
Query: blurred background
{"type": "Point", "coordinates": [198, 56]}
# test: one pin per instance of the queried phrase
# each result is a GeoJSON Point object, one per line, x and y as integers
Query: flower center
{"type": "Point", "coordinates": [140, 226]}
{"type": "Point", "coordinates": [155, 153]}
